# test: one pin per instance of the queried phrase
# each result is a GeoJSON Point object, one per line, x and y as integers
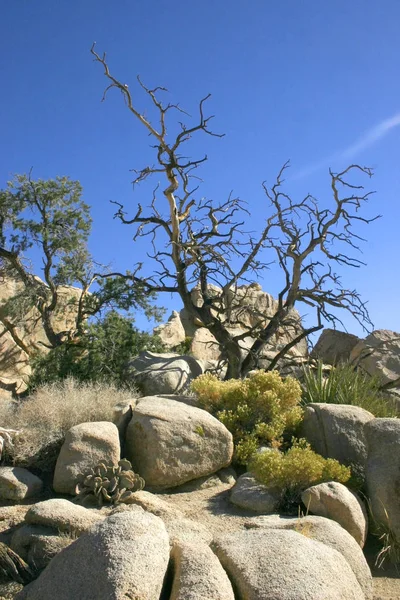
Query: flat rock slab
{"type": "Point", "coordinates": [17, 483]}
{"type": "Point", "coordinates": [170, 443]}
{"type": "Point", "coordinates": [63, 515]}
{"type": "Point", "coordinates": [125, 556]}
{"type": "Point", "coordinates": [285, 565]}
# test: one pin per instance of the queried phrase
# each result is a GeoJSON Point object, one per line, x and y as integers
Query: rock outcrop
{"type": "Point", "coordinates": [379, 355]}
{"type": "Point", "coordinates": [244, 308]}
{"type": "Point", "coordinates": [334, 346]}
{"type": "Point", "coordinates": [14, 361]}
{"type": "Point", "coordinates": [17, 483]}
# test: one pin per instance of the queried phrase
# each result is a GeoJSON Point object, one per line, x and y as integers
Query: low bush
{"type": "Point", "coordinates": [260, 409]}
{"type": "Point", "coordinates": [345, 385]}
{"type": "Point", "coordinates": [296, 470]}
{"type": "Point", "coordinates": [44, 417]}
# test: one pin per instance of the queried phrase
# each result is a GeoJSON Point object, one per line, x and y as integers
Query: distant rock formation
{"type": "Point", "coordinates": [14, 360]}
{"type": "Point", "coordinates": [248, 306]}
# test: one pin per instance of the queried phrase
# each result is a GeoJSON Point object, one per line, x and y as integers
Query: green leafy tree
{"type": "Point", "coordinates": [101, 353]}
{"type": "Point", "coordinates": [50, 217]}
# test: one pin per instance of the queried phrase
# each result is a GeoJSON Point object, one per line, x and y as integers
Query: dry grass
{"type": "Point", "coordinates": [44, 417]}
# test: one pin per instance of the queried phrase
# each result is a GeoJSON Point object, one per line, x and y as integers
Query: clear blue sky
{"type": "Point", "coordinates": [298, 79]}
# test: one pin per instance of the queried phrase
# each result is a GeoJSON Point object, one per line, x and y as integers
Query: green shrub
{"type": "Point", "coordinates": [345, 385]}
{"type": "Point", "coordinates": [257, 410]}
{"type": "Point", "coordinates": [296, 470]}
{"type": "Point", "coordinates": [101, 354]}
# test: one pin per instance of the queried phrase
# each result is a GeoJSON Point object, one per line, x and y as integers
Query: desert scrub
{"type": "Point", "coordinates": [344, 385]}
{"type": "Point", "coordinates": [295, 470]}
{"type": "Point", "coordinates": [44, 417]}
{"type": "Point", "coordinates": [257, 410]}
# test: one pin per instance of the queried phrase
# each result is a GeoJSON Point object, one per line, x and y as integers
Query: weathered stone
{"type": "Point", "coordinates": [198, 574]}
{"type": "Point", "coordinates": [171, 333]}
{"type": "Point", "coordinates": [382, 471]}
{"type": "Point", "coordinates": [329, 533]}
{"type": "Point", "coordinates": [84, 447]}
{"type": "Point", "coordinates": [337, 431]}
{"type": "Point", "coordinates": [15, 366]}
{"type": "Point", "coordinates": [335, 501]}
{"type": "Point", "coordinates": [271, 563]}
{"type": "Point", "coordinates": [17, 483]}
{"type": "Point", "coordinates": [334, 346]}
{"type": "Point", "coordinates": [125, 556]}
{"type": "Point", "coordinates": [164, 373]}
{"type": "Point", "coordinates": [63, 515]}
{"type": "Point", "coordinates": [37, 545]}
{"type": "Point", "coordinates": [170, 443]}
{"type": "Point", "coordinates": [379, 354]}
{"type": "Point", "coordinates": [248, 493]}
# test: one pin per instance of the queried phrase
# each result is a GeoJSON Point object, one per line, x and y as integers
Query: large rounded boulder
{"type": "Point", "coordinates": [170, 442]}
{"type": "Point", "coordinates": [125, 556]}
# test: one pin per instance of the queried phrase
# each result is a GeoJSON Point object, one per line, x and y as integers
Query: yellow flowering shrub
{"type": "Point", "coordinates": [297, 469]}
{"type": "Point", "coordinates": [256, 410]}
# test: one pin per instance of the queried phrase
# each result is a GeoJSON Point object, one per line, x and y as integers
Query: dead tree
{"type": "Point", "coordinates": [207, 243]}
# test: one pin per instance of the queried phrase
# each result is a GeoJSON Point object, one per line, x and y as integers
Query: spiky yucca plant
{"type": "Point", "coordinates": [109, 484]}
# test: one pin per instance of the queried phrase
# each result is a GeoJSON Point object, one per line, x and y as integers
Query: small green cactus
{"type": "Point", "coordinates": [109, 484]}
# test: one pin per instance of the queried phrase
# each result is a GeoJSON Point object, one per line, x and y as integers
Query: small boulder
{"type": "Point", "coordinates": [170, 443]}
{"type": "Point", "coordinates": [335, 501]}
{"type": "Point", "coordinates": [198, 574]}
{"type": "Point", "coordinates": [63, 515]}
{"type": "Point", "coordinates": [249, 494]}
{"type": "Point", "coordinates": [17, 483]}
{"type": "Point", "coordinates": [164, 373]}
{"type": "Point", "coordinates": [329, 533]}
{"type": "Point", "coordinates": [382, 472]}
{"type": "Point", "coordinates": [37, 545]}
{"type": "Point", "coordinates": [337, 431]}
{"type": "Point", "coordinates": [272, 563]}
{"type": "Point", "coordinates": [84, 447]}
{"type": "Point", "coordinates": [125, 556]}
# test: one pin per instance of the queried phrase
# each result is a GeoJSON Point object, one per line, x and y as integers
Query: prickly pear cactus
{"type": "Point", "coordinates": [109, 484]}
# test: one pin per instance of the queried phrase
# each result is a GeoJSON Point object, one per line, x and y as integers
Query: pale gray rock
{"type": "Point", "coordinates": [337, 431]}
{"type": "Point", "coordinates": [125, 556]}
{"type": "Point", "coordinates": [379, 354]}
{"type": "Point", "coordinates": [382, 471]}
{"type": "Point", "coordinates": [37, 545]}
{"type": "Point", "coordinates": [17, 483]}
{"type": "Point", "coordinates": [171, 333]}
{"type": "Point", "coordinates": [198, 574]}
{"type": "Point", "coordinates": [335, 501]}
{"type": "Point", "coordinates": [84, 447]}
{"type": "Point", "coordinates": [170, 443]}
{"type": "Point", "coordinates": [277, 564]}
{"type": "Point", "coordinates": [327, 532]}
{"type": "Point", "coordinates": [334, 346]}
{"type": "Point", "coordinates": [249, 494]}
{"type": "Point", "coordinates": [63, 515]}
{"type": "Point", "coordinates": [166, 373]}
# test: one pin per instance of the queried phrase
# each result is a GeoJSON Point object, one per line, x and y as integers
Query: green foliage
{"type": "Point", "coordinates": [257, 410]}
{"type": "Point", "coordinates": [184, 347]}
{"type": "Point", "coordinates": [296, 470]}
{"type": "Point", "coordinates": [109, 484]}
{"type": "Point", "coordinates": [101, 353]}
{"type": "Point", "coordinates": [345, 385]}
